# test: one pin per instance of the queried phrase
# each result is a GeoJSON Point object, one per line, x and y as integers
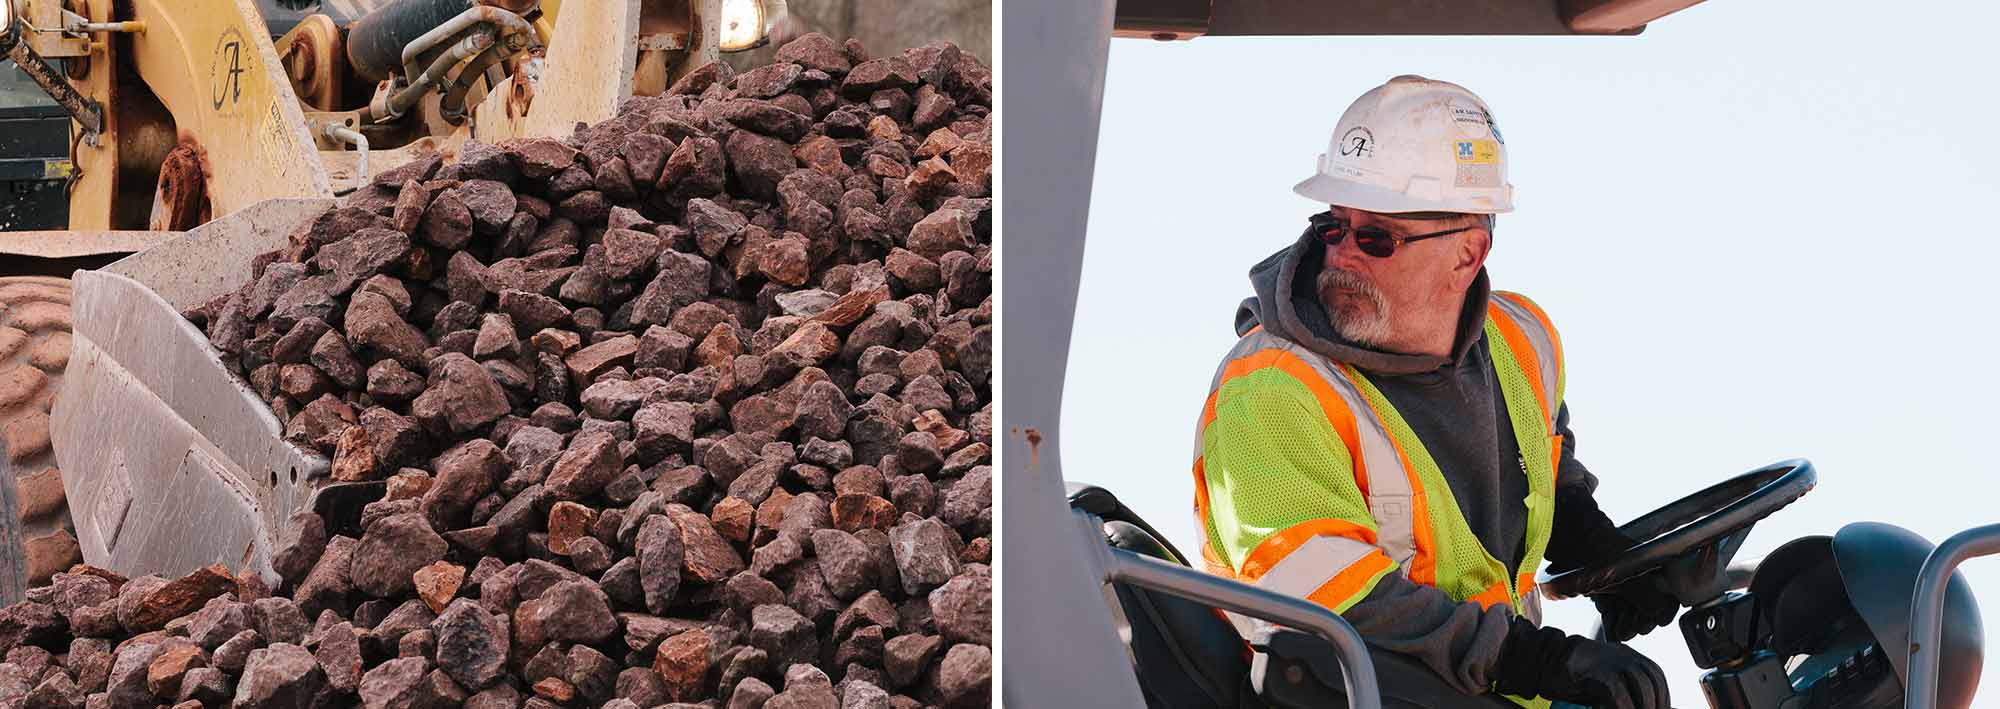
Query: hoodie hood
{"type": "Point", "coordinates": [1287, 304]}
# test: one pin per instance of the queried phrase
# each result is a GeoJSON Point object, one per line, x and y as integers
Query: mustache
{"type": "Point", "coordinates": [1367, 327]}
{"type": "Point", "coordinates": [1334, 279]}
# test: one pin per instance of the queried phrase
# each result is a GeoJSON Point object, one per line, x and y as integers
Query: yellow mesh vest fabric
{"type": "Point", "coordinates": [1271, 461]}
{"type": "Point", "coordinates": [1532, 433]}
{"type": "Point", "coordinates": [1464, 568]}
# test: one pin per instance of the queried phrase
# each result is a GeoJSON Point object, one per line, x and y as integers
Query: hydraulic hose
{"type": "Point", "coordinates": [508, 23]}
{"type": "Point", "coordinates": [453, 105]}
{"type": "Point", "coordinates": [407, 97]}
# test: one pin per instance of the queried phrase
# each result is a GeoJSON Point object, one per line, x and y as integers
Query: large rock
{"type": "Point", "coordinates": [586, 467]}
{"type": "Point", "coordinates": [661, 552]}
{"type": "Point", "coordinates": [783, 633]}
{"type": "Point", "coordinates": [460, 397]}
{"type": "Point", "coordinates": [393, 684]}
{"type": "Point", "coordinates": [709, 558]}
{"type": "Point", "coordinates": [924, 558]}
{"type": "Point", "coordinates": [682, 661]}
{"type": "Point", "coordinates": [391, 551]}
{"type": "Point", "coordinates": [279, 676]}
{"type": "Point", "coordinates": [966, 673]}
{"type": "Point", "coordinates": [572, 611]}
{"type": "Point", "coordinates": [178, 598]}
{"type": "Point", "coordinates": [465, 473]}
{"type": "Point", "coordinates": [472, 645]}
{"type": "Point", "coordinates": [963, 609]}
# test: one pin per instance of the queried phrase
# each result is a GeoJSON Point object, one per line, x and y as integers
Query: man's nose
{"type": "Point", "coordinates": [1345, 255]}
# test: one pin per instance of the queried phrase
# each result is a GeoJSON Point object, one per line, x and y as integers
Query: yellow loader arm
{"type": "Point", "coordinates": [238, 135]}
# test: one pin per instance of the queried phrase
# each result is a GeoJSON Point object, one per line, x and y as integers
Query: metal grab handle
{"type": "Point", "coordinates": [1357, 671]}
{"type": "Point", "coordinates": [1927, 609]}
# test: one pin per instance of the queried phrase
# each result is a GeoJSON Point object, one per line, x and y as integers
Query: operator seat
{"type": "Point", "coordinates": [1186, 654]}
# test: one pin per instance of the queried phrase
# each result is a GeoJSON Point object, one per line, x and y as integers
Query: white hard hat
{"type": "Point", "coordinates": [1414, 145]}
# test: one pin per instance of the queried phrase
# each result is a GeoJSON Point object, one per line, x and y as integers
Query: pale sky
{"type": "Point", "coordinates": [1758, 227]}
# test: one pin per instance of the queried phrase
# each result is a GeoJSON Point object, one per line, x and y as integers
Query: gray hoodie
{"type": "Point", "coordinates": [1455, 407]}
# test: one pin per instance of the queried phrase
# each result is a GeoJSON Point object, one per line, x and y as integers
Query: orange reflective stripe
{"type": "Point", "coordinates": [1201, 508]}
{"type": "Point", "coordinates": [1548, 327]}
{"type": "Point", "coordinates": [1517, 342]}
{"type": "Point", "coordinates": [1495, 594]}
{"type": "Point", "coordinates": [1213, 563]}
{"type": "Point", "coordinates": [1524, 583]}
{"type": "Point", "coordinates": [1555, 456]}
{"type": "Point", "coordinates": [1330, 402]}
{"type": "Point", "coordinates": [1201, 491]}
{"type": "Point", "coordinates": [1343, 588]}
{"type": "Point", "coordinates": [1278, 546]}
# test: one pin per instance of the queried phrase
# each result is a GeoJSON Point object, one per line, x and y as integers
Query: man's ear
{"type": "Point", "coordinates": [1471, 256]}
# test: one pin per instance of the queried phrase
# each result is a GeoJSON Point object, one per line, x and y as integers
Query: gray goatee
{"type": "Point", "coordinates": [1343, 294]}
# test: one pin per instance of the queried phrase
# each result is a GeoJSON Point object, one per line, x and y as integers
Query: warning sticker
{"type": "Point", "coordinates": [1476, 152]}
{"type": "Point", "coordinates": [57, 169]}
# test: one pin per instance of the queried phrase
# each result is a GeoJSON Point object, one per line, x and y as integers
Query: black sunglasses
{"type": "Point", "coordinates": [1372, 240]}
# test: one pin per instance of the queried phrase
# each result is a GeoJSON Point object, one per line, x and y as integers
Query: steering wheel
{"type": "Point", "coordinates": [1719, 516]}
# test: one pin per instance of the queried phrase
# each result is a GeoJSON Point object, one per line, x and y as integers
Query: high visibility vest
{"type": "Point", "coordinates": [1309, 483]}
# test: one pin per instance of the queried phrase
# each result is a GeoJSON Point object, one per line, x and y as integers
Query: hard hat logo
{"type": "Point", "coordinates": [1478, 163]}
{"type": "Point", "coordinates": [1358, 142]}
{"type": "Point", "coordinates": [1414, 145]}
{"type": "Point", "coordinates": [1479, 152]}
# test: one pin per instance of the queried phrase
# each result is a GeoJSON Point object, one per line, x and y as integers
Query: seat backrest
{"type": "Point", "coordinates": [1100, 502]}
{"type": "Point", "coordinates": [1185, 653]}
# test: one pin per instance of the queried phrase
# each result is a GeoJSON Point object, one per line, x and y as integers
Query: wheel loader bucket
{"type": "Point", "coordinates": [170, 461]}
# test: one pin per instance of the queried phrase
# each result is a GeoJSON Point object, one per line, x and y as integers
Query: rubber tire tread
{"type": "Point", "coordinates": [37, 538]}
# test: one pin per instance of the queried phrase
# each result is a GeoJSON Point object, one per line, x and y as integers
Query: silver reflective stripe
{"type": "Point", "coordinates": [1388, 483]}
{"type": "Point", "coordinates": [1543, 342]}
{"type": "Point", "coordinates": [1313, 564]}
{"type": "Point", "coordinates": [1531, 605]}
{"type": "Point", "coordinates": [1303, 571]}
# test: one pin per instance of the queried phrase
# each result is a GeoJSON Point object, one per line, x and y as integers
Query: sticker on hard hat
{"type": "Point", "coordinates": [1477, 152]}
{"type": "Point", "coordinates": [1475, 116]}
{"type": "Point", "coordinates": [1357, 142]}
{"type": "Point", "coordinates": [1478, 163]}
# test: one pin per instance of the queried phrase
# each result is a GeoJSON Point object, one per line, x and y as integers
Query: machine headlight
{"type": "Point", "coordinates": [7, 36]}
{"type": "Point", "coordinates": [743, 24]}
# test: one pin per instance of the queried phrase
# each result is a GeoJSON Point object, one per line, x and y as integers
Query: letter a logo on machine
{"type": "Point", "coordinates": [229, 73]}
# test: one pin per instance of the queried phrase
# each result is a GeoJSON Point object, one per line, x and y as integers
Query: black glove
{"type": "Point", "coordinates": [1547, 663]}
{"type": "Point", "coordinates": [1588, 538]}
{"type": "Point", "coordinates": [1636, 607]}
